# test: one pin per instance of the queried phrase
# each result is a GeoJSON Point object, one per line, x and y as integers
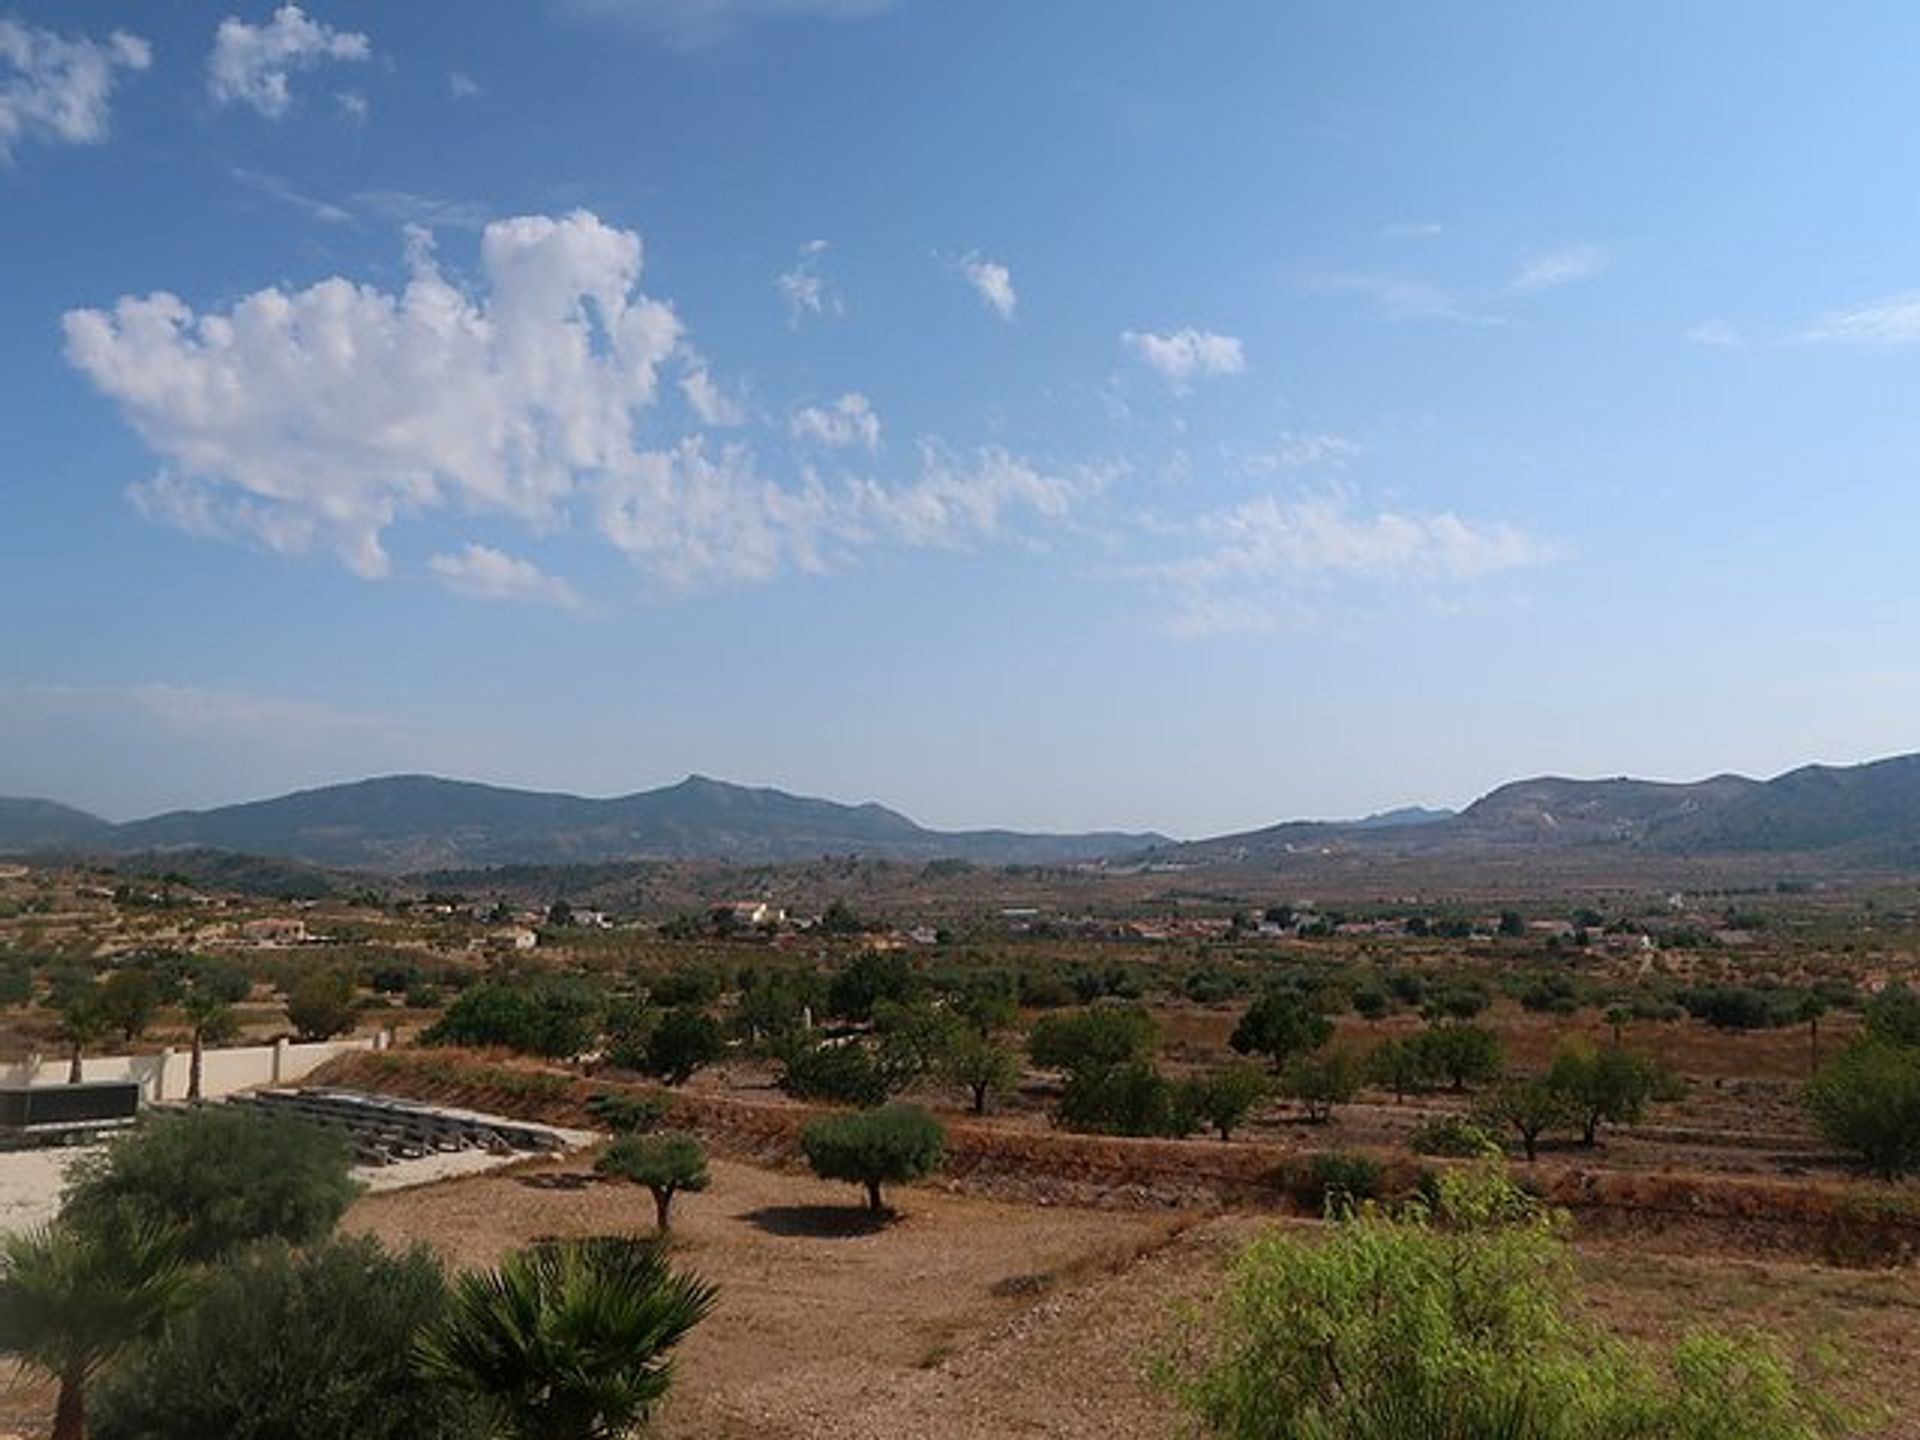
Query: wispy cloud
{"type": "Point", "coordinates": [1406, 297]}
{"type": "Point", "coordinates": [463, 86]}
{"type": "Point", "coordinates": [850, 420]}
{"type": "Point", "coordinates": [992, 282]}
{"type": "Point", "coordinates": [1182, 356]}
{"type": "Point", "coordinates": [254, 65]}
{"type": "Point", "coordinates": [58, 89]}
{"type": "Point", "coordinates": [480, 572]}
{"type": "Point", "coordinates": [1890, 320]}
{"type": "Point", "coordinates": [1411, 230]}
{"type": "Point", "coordinates": [1563, 266]}
{"type": "Point", "coordinates": [195, 709]}
{"type": "Point", "coordinates": [1716, 333]}
{"type": "Point", "coordinates": [433, 212]}
{"type": "Point", "coordinates": [275, 188]}
{"type": "Point", "coordinates": [805, 289]}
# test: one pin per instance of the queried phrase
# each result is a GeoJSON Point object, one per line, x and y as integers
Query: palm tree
{"type": "Point", "coordinates": [72, 1298]}
{"type": "Point", "coordinates": [82, 1022]}
{"type": "Point", "coordinates": [211, 1019]}
{"type": "Point", "coordinates": [569, 1340]}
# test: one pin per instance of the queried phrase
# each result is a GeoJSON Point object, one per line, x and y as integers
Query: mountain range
{"type": "Point", "coordinates": [1867, 813]}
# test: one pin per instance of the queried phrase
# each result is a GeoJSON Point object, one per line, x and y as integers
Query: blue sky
{"type": "Point", "coordinates": [1055, 415]}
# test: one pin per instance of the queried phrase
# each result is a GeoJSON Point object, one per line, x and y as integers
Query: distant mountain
{"type": "Point", "coordinates": [44, 825]}
{"type": "Point", "coordinates": [1404, 815]}
{"type": "Point", "coordinates": [419, 822]}
{"type": "Point", "coordinates": [1868, 813]}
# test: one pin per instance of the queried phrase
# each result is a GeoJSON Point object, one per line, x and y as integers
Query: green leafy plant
{"type": "Point", "coordinates": [664, 1164]}
{"type": "Point", "coordinates": [889, 1146]}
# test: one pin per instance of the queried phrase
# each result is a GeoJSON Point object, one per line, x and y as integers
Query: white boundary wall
{"type": "Point", "coordinates": [223, 1071]}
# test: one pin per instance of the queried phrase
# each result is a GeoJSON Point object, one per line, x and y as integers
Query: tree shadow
{"type": "Point", "coordinates": [817, 1222]}
{"type": "Point", "coordinates": [558, 1180]}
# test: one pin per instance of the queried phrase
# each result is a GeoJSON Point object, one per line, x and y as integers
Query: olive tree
{"type": "Point", "coordinates": [1867, 1098]}
{"type": "Point", "coordinates": [889, 1146]}
{"type": "Point", "coordinates": [664, 1164]}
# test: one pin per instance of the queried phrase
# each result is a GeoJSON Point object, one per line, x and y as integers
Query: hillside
{"type": "Point", "coordinates": [419, 822]}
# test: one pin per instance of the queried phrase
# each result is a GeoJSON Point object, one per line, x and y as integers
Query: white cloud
{"type": "Point", "coordinates": [693, 517]}
{"type": "Point", "coordinates": [704, 396]}
{"type": "Point", "coordinates": [1560, 267]}
{"type": "Point", "coordinates": [463, 86]}
{"type": "Point", "coordinates": [1412, 230]}
{"type": "Point", "coordinates": [1305, 451]}
{"type": "Point", "coordinates": [697, 24]}
{"type": "Point", "coordinates": [1178, 358]}
{"type": "Point", "coordinates": [805, 289]}
{"type": "Point", "coordinates": [432, 212]}
{"type": "Point", "coordinates": [850, 420]}
{"type": "Point", "coordinates": [992, 282]}
{"type": "Point", "coordinates": [58, 89]}
{"type": "Point", "coordinates": [1402, 297]}
{"type": "Point", "coordinates": [1259, 557]}
{"type": "Point", "coordinates": [254, 64]}
{"type": "Point", "coordinates": [193, 709]}
{"type": "Point", "coordinates": [481, 572]}
{"type": "Point", "coordinates": [1717, 333]}
{"type": "Point", "coordinates": [353, 105]}
{"type": "Point", "coordinates": [319, 416]}
{"type": "Point", "coordinates": [1890, 320]}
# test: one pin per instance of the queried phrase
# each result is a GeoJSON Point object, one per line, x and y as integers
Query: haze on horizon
{"type": "Point", "coordinates": [1057, 417]}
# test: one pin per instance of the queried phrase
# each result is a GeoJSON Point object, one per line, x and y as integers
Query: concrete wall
{"type": "Point", "coordinates": [224, 1071]}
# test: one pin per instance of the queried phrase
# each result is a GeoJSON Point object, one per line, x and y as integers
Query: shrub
{"type": "Point", "coordinates": [1894, 1016]}
{"type": "Point", "coordinates": [1453, 1135]}
{"type": "Point", "coordinates": [628, 1112]}
{"type": "Point", "coordinates": [320, 1004]}
{"type": "Point", "coordinates": [1320, 1082]}
{"type": "Point", "coordinates": [1281, 1025]}
{"type": "Point", "coordinates": [1461, 1054]}
{"type": "Point", "coordinates": [1224, 1098]}
{"type": "Point", "coordinates": [1091, 1039]}
{"type": "Point", "coordinates": [984, 1066]}
{"type": "Point", "coordinates": [1867, 1099]}
{"type": "Point", "coordinates": [1338, 1179]}
{"type": "Point", "coordinates": [681, 1042]}
{"type": "Point", "coordinates": [297, 1345]}
{"type": "Point", "coordinates": [1483, 1338]}
{"type": "Point", "coordinates": [1401, 1066]}
{"type": "Point", "coordinates": [843, 1074]}
{"type": "Point", "coordinates": [1130, 1099]}
{"type": "Point", "coordinates": [555, 1016]}
{"type": "Point", "coordinates": [871, 976]}
{"type": "Point", "coordinates": [1612, 1084]}
{"type": "Point", "coordinates": [664, 1164]}
{"type": "Point", "coordinates": [225, 1176]}
{"type": "Point", "coordinates": [889, 1146]}
{"type": "Point", "coordinates": [1531, 1107]}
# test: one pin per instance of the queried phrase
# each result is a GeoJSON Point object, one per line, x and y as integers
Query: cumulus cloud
{"type": "Point", "coordinates": [481, 572]}
{"type": "Point", "coordinates": [1184, 355]}
{"type": "Point", "coordinates": [1890, 320]}
{"type": "Point", "coordinates": [706, 398]}
{"type": "Point", "coordinates": [992, 282]}
{"type": "Point", "coordinates": [58, 89]}
{"type": "Point", "coordinates": [1258, 557]}
{"type": "Point", "coordinates": [850, 420]}
{"type": "Point", "coordinates": [1560, 267]}
{"type": "Point", "coordinates": [698, 24]}
{"type": "Point", "coordinates": [254, 64]}
{"type": "Point", "coordinates": [805, 290]}
{"type": "Point", "coordinates": [319, 416]}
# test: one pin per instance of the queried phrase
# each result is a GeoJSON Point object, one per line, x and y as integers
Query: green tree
{"type": "Point", "coordinates": [843, 1073]}
{"type": "Point", "coordinates": [628, 1112]}
{"type": "Point", "coordinates": [1461, 1054]}
{"type": "Point", "coordinates": [211, 1020]}
{"type": "Point", "coordinates": [1281, 1025]}
{"type": "Point", "coordinates": [1130, 1099]}
{"type": "Point", "coordinates": [1225, 1097]}
{"type": "Point", "coordinates": [986, 1068]}
{"type": "Point", "coordinates": [893, 1145]}
{"type": "Point", "coordinates": [571, 1340]}
{"type": "Point", "coordinates": [868, 978]}
{"type": "Point", "coordinates": [1090, 1039]}
{"type": "Point", "coordinates": [128, 999]}
{"type": "Point", "coordinates": [1867, 1099]}
{"type": "Point", "coordinates": [555, 1016]}
{"type": "Point", "coordinates": [664, 1164]}
{"type": "Point", "coordinates": [1458, 1320]}
{"type": "Point", "coordinates": [1531, 1107]}
{"type": "Point", "coordinates": [82, 1023]}
{"type": "Point", "coordinates": [1401, 1065]}
{"type": "Point", "coordinates": [1321, 1081]}
{"type": "Point", "coordinates": [320, 1004]}
{"type": "Point", "coordinates": [1894, 1016]}
{"type": "Point", "coordinates": [72, 1301]}
{"type": "Point", "coordinates": [294, 1344]}
{"type": "Point", "coordinates": [683, 1040]}
{"type": "Point", "coordinates": [1609, 1085]}
{"type": "Point", "coordinates": [221, 1176]}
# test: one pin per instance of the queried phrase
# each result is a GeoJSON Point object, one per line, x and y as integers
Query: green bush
{"type": "Point", "coordinates": [555, 1016]}
{"type": "Point", "coordinates": [843, 1074]}
{"type": "Point", "coordinates": [1460, 1054]}
{"type": "Point", "coordinates": [320, 1004]}
{"type": "Point", "coordinates": [1130, 1099]}
{"type": "Point", "coordinates": [628, 1112]}
{"type": "Point", "coordinates": [1480, 1338]}
{"type": "Point", "coordinates": [223, 1175]}
{"type": "Point", "coordinates": [1338, 1179]}
{"type": "Point", "coordinates": [288, 1344]}
{"type": "Point", "coordinates": [1320, 1082]}
{"type": "Point", "coordinates": [1281, 1025]}
{"type": "Point", "coordinates": [1867, 1099]}
{"type": "Point", "coordinates": [1223, 1099]}
{"type": "Point", "coordinates": [664, 1164]}
{"type": "Point", "coordinates": [871, 1148]}
{"type": "Point", "coordinates": [1453, 1135]}
{"type": "Point", "coordinates": [1091, 1039]}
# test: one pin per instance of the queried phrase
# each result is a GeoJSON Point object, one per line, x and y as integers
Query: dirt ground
{"type": "Point", "coordinates": [971, 1318]}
